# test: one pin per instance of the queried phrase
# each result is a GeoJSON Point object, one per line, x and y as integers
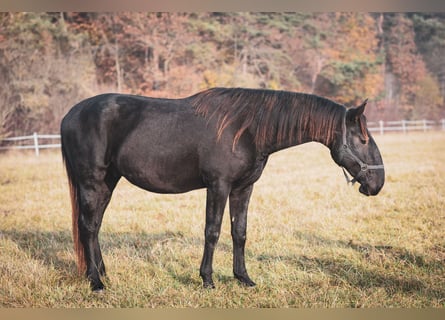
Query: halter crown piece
{"type": "Point", "coordinates": [364, 166]}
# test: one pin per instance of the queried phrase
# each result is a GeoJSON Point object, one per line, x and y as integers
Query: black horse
{"type": "Point", "coordinates": [219, 139]}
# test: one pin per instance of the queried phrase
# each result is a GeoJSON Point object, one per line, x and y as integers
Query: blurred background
{"type": "Point", "coordinates": [50, 61]}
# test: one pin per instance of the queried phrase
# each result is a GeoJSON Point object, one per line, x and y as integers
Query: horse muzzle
{"type": "Point", "coordinates": [370, 189]}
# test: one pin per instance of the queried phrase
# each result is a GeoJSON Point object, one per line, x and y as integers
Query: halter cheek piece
{"type": "Point", "coordinates": [347, 149]}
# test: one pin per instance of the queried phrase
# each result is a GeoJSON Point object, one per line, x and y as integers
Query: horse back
{"type": "Point", "coordinates": [161, 145]}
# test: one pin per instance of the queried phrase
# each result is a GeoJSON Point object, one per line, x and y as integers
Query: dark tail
{"type": "Point", "coordinates": [74, 193]}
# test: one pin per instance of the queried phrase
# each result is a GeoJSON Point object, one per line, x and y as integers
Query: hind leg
{"type": "Point", "coordinates": [94, 198]}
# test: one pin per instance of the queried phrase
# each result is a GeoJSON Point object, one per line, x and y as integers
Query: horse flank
{"type": "Point", "coordinates": [272, 116]}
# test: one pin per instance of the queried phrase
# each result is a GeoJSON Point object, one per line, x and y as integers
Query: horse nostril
{"type": "Point", "coordinates": [368, 190]}
{"type": "Point", "coordinates": [364, 190]}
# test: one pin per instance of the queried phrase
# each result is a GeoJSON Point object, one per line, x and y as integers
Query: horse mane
{"type": "Point", "coordinates": [285, 117]}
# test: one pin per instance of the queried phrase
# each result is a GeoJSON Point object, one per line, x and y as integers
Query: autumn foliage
{"type": "Point", "coordinates": [49, 61]}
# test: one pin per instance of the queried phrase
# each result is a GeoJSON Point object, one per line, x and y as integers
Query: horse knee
{"type": "Point", "coordinates": [212, 236]}
{"type": "Point", "coordinates": [239, 234]}
{"type": "Point", "coordinates": [240, 240]}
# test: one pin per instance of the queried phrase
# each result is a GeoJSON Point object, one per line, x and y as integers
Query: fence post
{"type": "Point", "coordinates": [404, 126]}
{"type": "Point", "coordinates": [381, 127]}
{"type": "Point", "coordinates": [36, 143]}
{"type": "Point", "coordinates": [443, 124]}
{"type": "Point", "coordinates": [425, 125]}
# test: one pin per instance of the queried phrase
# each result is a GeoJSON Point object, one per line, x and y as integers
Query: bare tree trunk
{"type": "Point", "coordinates": [316, 70]}
{"type": "Point", "coordinates": [62, 22]}
{"type": "Point", "coordinates": [118, 67]}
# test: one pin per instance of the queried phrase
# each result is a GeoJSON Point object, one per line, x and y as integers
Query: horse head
{"type": "Point", "coordinates": [356, 152]}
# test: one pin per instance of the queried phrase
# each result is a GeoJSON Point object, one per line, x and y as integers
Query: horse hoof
{"type": "Point", "coordinates": [249, 283]}
{"type": "Point", "coordinates": [97, 288]}
{"type": "Point", "coordinates": [245, 281]}
{"type": "Point", "coordinates": [209, 285]}
{"type": "Point", "coordinates": [99, 291]}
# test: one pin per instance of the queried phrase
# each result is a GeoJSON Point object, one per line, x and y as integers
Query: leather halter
{"type": "Point", "coordinates": [363, 166]}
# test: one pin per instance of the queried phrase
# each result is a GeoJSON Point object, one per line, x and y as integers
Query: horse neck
{"type": "Point", "coordinates": [274, 145]}
{"type": "Point", "coordinates": [315, 127]}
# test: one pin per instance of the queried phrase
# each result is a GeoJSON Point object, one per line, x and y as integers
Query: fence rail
{"type": "Point", "coordinates": [406, 125]}
{"type": "Point", "coordinates": [380, 126]}
{"type": "Point", "coordinates": [36, 142]}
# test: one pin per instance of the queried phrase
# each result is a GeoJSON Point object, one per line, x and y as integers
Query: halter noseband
{"type": "Point", "coordinates": [363, 166]}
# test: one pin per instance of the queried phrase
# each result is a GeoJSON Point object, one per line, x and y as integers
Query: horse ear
{"type": "Point", "coordinates": [355, 113]}
{"type": "Point", "coordinates": [361, 108]}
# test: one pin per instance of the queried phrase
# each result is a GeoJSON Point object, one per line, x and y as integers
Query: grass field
{"type": "Point", "coordinates": [312, 240]}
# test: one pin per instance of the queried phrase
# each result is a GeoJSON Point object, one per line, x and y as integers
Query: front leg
{"type": "Point", "coordinates": [239, 202]}
{"type": "Point", "coordinates": [216, 201]}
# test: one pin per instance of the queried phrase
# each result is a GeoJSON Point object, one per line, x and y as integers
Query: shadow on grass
{"type": "Point", "coordinates": [51, 247]}
{"type": "Point", "coordinates": [47, 247]}
{"type": "Point", "coordinates": [55, 248]}
{"type": "Point", "coordinates": [396, 270]}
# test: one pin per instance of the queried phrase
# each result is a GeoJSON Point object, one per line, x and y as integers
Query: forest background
{"type": "Point", "coordinates": [50, 61]}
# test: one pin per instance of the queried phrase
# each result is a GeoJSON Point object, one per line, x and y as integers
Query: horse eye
{"type": "Point", "coordinates": [363, 139]}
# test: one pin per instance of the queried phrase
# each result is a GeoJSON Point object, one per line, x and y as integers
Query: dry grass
{"type": "Point", "coordinates": [312, 240]}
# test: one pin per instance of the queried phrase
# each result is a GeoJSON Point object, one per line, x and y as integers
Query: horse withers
{"type": "Point", "coordinates": [219, 139]}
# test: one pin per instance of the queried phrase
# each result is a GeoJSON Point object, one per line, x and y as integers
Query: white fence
{"type": "Point", "coordinates": [36, 142]}
{"type": "Point", "coordinates": [381, 127]}
{"type": "Point", "coordinates": [406, 125]}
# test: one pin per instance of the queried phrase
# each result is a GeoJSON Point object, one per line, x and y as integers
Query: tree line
{"type": "Point", "coordinates": [51, 60]}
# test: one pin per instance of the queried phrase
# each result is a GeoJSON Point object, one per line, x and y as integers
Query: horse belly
{"type": "Point", "coordinates": [160, 169]}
